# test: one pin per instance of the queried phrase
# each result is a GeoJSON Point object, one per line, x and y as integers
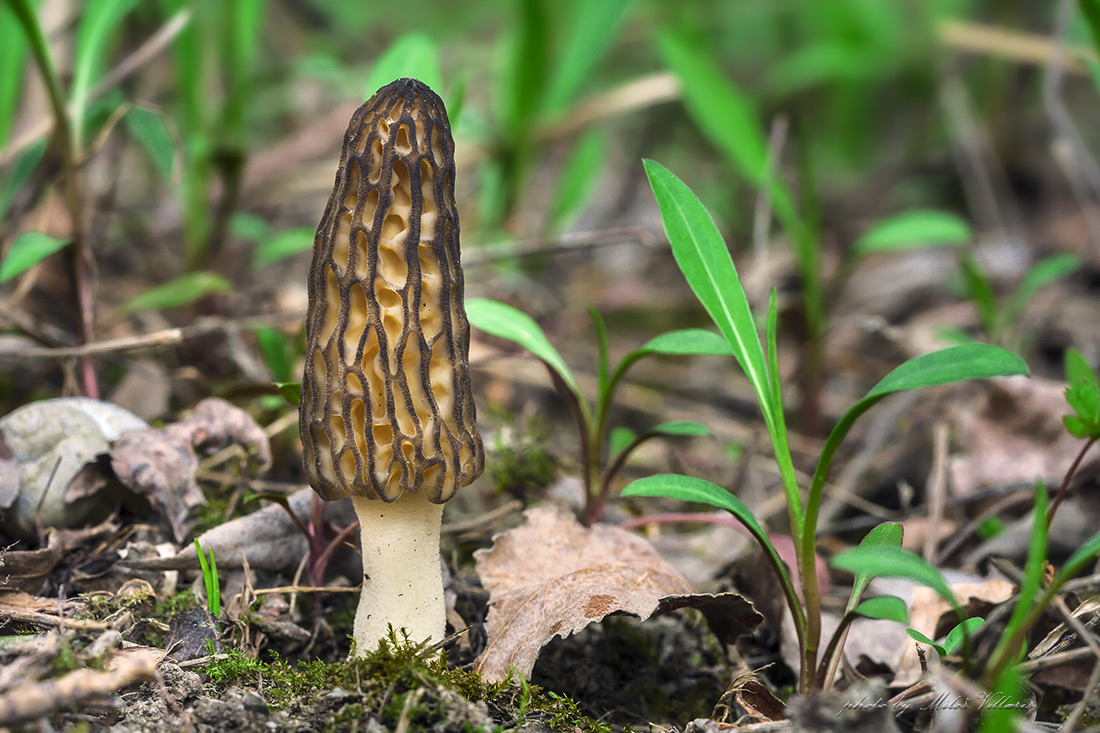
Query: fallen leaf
{"type": "Point", "coordinates": [46, 445]}
{"type": "Point", "coordinates": [552, 577]}
{"type": "Point", "coordinates": [160, 463]}
{"type": "Point", "coordinates": [1016, 435]}
{"type": "Point", "coordinates": [729, 615]}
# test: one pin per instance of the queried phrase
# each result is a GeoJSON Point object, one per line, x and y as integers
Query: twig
{"type": "Point", "coordinates": [1028, 48]}
{"type": "Point", "coordinates": [937, 490]}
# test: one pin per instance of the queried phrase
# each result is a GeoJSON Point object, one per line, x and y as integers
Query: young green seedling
{"type": "Point", "coordinates": [210, 580]}
{"type": "Point", "coordinates": [705, 262]}
{"type": "Point", "coordinates": [601, 458]}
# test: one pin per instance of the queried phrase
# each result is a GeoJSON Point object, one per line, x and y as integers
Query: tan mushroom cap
{"type": "Point", "coordinates": [386, 403]}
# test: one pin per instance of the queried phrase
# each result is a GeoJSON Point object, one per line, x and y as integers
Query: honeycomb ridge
{"type": "Point", "coordinates": [386, 404]}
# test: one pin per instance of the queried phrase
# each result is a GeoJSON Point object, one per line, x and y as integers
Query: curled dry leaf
{"type": "Point", "coordinates": [160, 463]}
{"type": "Point", "coordinates": [552, 577]}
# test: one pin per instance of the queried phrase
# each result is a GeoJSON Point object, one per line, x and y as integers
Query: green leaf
{"type": "Point", "coordinates": [97, 23]}
{"type": "Point", "coordinates": [818, 63]}
{"type": "Point", "coordinates": [290, 391]}
{"type": "Point", "coordinates": [1090, 9]}
{"type": "Point", "coordinates": [688, 488]}
{"type": "Point", "coordinates": [180, 291]}
{"type": "Point", "coordinates": [413, 55]}
{"type": "Point", "coordinates": [894, 562]}
{"type": "Point", "coordinates": [28, 249]}
{"type": "Point", "coordinates": [506, 322]}
{"type": "Point", "coordinates": [1084, 554]}
{"type": "Point", "coordinates": [13, 58]}
{"type": "Point", "coordinates": [1044, 272]}
{"type": "Point", "coordinates": [621, 437]}
{"type": "Point", "coordinates": [890, 608]}
{"type": "Point", "coordinates": [687, 342]}
{"type": "Point", "coordinates": [288, 243]}
{"type": "Point", "coordinates": [918, 636]}
{"type": "Point", "coordinates": [722, 113]}
{"type": "Point", "coordinates": [150, 129]}
{"type": "Point", "coordinates": [521, 86]}
{"type": "Point", "coordinates": [250, 227]}
{"type": "Point", "coordinates": [913, 230]}
{"type": "Point", "coordinates": [273, 347]}
{"type": "Point", "coordinates": [578, 177]}
{"type": "Point", "coordinates": [887, 534]}
{"type": "Point", "coordinates": [1078, 368]}
{"type": "Point", "coordinates": [708, 268]}
{"type": "Point", "coordinates": [1084, 398]}
{"type": "Point", "coordinates": [953, 364]}
{"type": "Point", "coordinates": [1010, 690]}
{"type": "Point", "coordinates": [19, 174]}
{"type": "Point", "coordinates": [979, 289]}
{"type": "Point", "coordinates": [958, 634]}
{"type": "Point", "coordinates": [591, 31]}
{"type": "Point", "coordinates": [681, 427]}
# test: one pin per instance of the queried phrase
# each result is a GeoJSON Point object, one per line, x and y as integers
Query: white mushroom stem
{"type": "Point", "coordinates": [402, 580]}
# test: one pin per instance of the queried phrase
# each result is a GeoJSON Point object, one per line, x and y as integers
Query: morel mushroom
{"type": "Point", "coordinates": [387, 414]}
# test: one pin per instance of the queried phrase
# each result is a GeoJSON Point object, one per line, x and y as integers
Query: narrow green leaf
{"type": "Point", "coordinates": [97, 24]}
{"type": "Point", "coordinates": [180, 291]}
{"type": "Point", "coordinates": [918, 636]}
{"type": "Point", "coordinates": [13, 58]}
{"type": "Point", "coordinates": [681, 427]}
{"type": "Point", "coordinates": [621, 437]}
{"type": "Point", "coordinates": [708, 268]}
{"type": "Point", "coordinates": [887, 534]}
{"type": "Point", "coordinates": [688, 488]}
{"type": "Point", "coordinates": [1084, 554]}
{"type": "Point", "coordinates": [288, 243]}
{"type": "Point", "coordinates": [1090, 9]}
{"type": "Point", "coordinates": [522, 83]}
{"type": "Point", "coordinates": [894, 562]}
{"type": "Point", "coordinates": [249, 227]}
{"type": "Point", "coordinates": [890, 608]}
{"type": "Point", "coordinates": [724, 115]}
{"type": "Point", "coordinates": [816, 64]}
{"type": "Point", "coordinates": [273, 347]}
{"type": "Point", "coordinates": [687, 341]}
{"type": "Point", "coordinates": [979, 289]}
{"type": "Point", "coordinates": [1044, 272]}
{"type": "Point", "coordinates": [913, 230]}
{"type": "Point", "coordinates": [290, 391]}
{"type": "Point", "coordinates": [1078, 368]}
{"type": "Point", "coordinates": [592, 29]}
{"type": "Point", "coordinates": [150, 129]}
{"type": "Point", "coordinates": [413, 55]}
{"type": "Point", "coordinates": [956, 636]}
{"type": "Point", "coordinates": [506, 322]}
{"type": "Point", "coordinates": [1009, 690]}
{"type": "Point", "coordinates": [953, 364]}
{"type": "Point", "coordinates": [19, 173]}
{"type": "Point", "coordinates": [579, 175]}
{"type": "Point", "coordinates": [28, 249]}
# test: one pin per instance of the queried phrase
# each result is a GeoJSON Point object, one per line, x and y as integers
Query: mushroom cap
{"type": "Point", "coordinates": [386, 403]}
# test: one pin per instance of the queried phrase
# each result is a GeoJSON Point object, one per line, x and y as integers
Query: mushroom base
{"type": "Point", "coordinates": [402, 580]}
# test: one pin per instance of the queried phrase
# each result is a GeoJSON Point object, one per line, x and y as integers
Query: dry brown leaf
{"type": "Point", "coordinates": [1015, 435]}
{"type": "Point", "coordinates": [160, 463]}
{"type": "Point", "coordinates": [552, 577]}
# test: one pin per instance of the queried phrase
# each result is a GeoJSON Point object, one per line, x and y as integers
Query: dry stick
{"type": "Point", "coordinates": [1070, 150]}
{"type": "Point", "coordinates": [37, 699]}
{"type": "Point", "coordinates": [1029, 48]}
{"type": "Point", "coordinates": [937, 490]}
{"type": "Point", "coordinates": [762, 210]}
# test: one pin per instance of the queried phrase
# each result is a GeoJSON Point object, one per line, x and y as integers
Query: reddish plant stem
{"type": "Point", "coordinates": [1064, 488]}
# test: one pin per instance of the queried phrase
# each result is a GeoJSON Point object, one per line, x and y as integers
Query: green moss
{"type": "Point", "coordinates": [381, 681]}
{"type": "Point", "coordinates": [173, 606]}
{"type": "Point", "coordinates": [522, 463]}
